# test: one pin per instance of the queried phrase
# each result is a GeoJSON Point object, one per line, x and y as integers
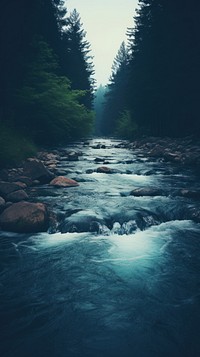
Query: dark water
{"type": "Point", "coordinates": [129, 288]}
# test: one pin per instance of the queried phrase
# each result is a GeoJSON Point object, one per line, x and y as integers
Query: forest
{"type": "Point", "coordinates": [48, 84]}
{"type": "Point", "coordinates": [154, 85]}
{"type": "Point", "coordinates": [46, 77]}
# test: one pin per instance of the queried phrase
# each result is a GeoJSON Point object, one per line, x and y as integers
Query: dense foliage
{"type": "Point", "coordinates": [160, 86]}
{"type": "Point", "coordinates": [41, 101]}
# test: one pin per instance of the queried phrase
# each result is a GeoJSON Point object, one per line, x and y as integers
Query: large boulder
{"type": "Point", "coordinates": [25, 217]}
{"type": "Point", "coordinates": [62, 181]}
{"type": "Point", "coordinates": [36, 170]}
{"type": "Point", "coordinates": [8, 187]}
{"type": "Point", "coordinates": [17, 196]}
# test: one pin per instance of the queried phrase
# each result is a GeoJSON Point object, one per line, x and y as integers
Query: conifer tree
{"type": "Point", "coordinates": [115, 98]}
{"type": "Point", "coordinates": [76, 64]}
{"type": "Point", "coordinates": [164, 71]}
{"type": "Point", "coordinates": [35, 96]}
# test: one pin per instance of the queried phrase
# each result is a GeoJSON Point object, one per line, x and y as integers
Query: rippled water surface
{"type": "Point", "coordinates": [129, 287]}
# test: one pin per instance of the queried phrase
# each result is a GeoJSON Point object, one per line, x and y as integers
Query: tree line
{"type": "Point", "coordinates": [46, 72]}
{"type": "Point", "coordinates": [154, 85]}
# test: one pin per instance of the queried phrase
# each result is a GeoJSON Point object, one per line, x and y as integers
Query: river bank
{"type": "Point", "coordinates": [185, 151]}
{"type": "Point", "coordinates": [18, 184]}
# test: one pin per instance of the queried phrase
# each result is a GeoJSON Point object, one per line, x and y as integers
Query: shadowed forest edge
{"type": "Point", "coordinates": [48, 86]}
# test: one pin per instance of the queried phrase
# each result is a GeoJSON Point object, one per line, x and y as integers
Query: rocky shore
{"type": "Point", "coordinates": [184, 151]}
{"type": "Point", "coordinates": [19, 213]}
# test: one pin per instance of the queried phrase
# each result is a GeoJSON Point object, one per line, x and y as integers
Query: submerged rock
{"type": "Point", "coordinates": [62, 181]}
{"type": "Point", "coordinates": [146, 191]}
{"type": "Point", "coordinates": [89, 171]}
{"type": "Point", "coordinates": [82, 221]}
{"type": "Point", "coordinates": [25, 217]}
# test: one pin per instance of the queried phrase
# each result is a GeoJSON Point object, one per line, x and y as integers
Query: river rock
{"type": "Point", "coordinates": [89, 171]}
{"type": "Point", "coordinates": [62, 181]}
{"type": "Point", "coordinates": [8, 187]}
{"type": "Point", "coordinates": [25, 217]}
{"type": "Point", "coordinates": [17, 196]}
{"type": "Point", "coordinates": [73, 156]}
{"type": "Point", "coordinates": [98, 146]}
{"type": "Point", "coordinates": [104, 170]}
{"type": "Point", "coordinates": [21, 184]}
{"type": "Point", "coordinates": [36, 170]}
{"type": "Point", "coordinates": [51, 157]}
{"type": "Point", "coordinates": [24, 179]}
{"type": "Point", "coordinates": [99, 159]}
{"type": "Point", "coordinates": [82, 221]}
{"type": "Point", "coordinates": [146, 191]}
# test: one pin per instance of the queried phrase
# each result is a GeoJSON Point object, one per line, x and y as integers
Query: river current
{"type": "Point", "coordinates": [120, 275]}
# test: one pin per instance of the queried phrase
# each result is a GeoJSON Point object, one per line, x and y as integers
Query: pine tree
{"type": "Point", "coordinates": [76, 63]}
{"type": "Point", "coordinates": [27, 21]}
{"type": "Point", "coordinates": [115, 99]}
{"type": "Point", "coordinates": [164, 73]}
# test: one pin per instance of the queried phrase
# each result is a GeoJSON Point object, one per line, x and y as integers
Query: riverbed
{"type": "Point", "coordinates": [119, 276]}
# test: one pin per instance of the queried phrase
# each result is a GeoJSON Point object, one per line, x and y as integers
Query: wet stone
{"type": "Point", "coordinates": [146, 192]}
{"type": "Point", "coordinates": [8, 187]}
{"type": "Point", "coordinates": [62, 181]}
{"type": "Point", "coordinates": [35, 170]}
{"type": "Point", "coordinates": [107, 170]}
{"type": "Point", "coordinates": [23, 179]}
{"type": "Point", "coordinates": [25, 217]}
{"type": "Point", "coordinates": [17, 196]}
{"type": "Point", "coordinates": [82, 221]}
{"type": "Point", "coordinates": [89, 171]}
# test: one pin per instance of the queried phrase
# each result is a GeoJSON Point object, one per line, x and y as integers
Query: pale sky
{"type": "Point", "coordinates": [105, 22]}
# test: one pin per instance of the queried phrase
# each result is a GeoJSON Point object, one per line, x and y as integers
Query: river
{"type": "Point", "coordinates": [119, 277]}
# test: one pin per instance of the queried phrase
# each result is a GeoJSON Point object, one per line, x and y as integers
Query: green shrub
{"type": "Point", "coordinates": [47, 106]}
{"type": "Point", "coordinates": [126, 127]}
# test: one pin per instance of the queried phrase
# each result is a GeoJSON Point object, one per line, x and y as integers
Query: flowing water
{"type": "Point", "coordinates": [119, 277]}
